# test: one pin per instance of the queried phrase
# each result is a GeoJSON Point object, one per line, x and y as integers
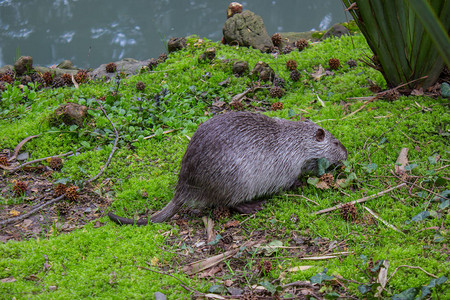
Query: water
{"type": "Point", "coordinates": [92, 32]}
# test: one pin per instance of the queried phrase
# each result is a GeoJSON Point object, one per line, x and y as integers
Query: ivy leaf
{"type": "Point", "coordinates": [321, 277]}
{"type": "Point", "coordinates": [420, 216]}
{"type": "Point", "coordinates": [370, 168]}
{"type": "Point", "coordinates": [433, 159]}
{"type": "Point", "coordinates": [217, 289]}
{"type": "Point", "coordinates": [410, 167]}
{"type": "Point", "coordinates": [270, 287]}
{"type": "Point", "coordinates": [409, 294]}
{"type": "Point", "coordinates": [216, 240]}
{"type": "Point", "coordinates": [322, 165]}
{"type": "Point", "coordinates": [313, 180]}
{"type": "Point", "coordinates": [444, 204]}
{"type": "Point", "coordinates": [364, 288]}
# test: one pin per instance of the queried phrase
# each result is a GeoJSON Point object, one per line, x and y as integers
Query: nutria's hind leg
{"type": "Point", "coordinates": [249, 207]}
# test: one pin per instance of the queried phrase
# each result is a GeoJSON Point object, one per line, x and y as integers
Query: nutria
{"type": "Point", "coordinates": [236, 157]}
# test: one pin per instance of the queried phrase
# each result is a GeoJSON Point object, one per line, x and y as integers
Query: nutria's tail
{"type": "Point", "coordinates": [164, 214]}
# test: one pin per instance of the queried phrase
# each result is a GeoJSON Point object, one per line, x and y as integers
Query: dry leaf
{"type": "Point", "coordinates": [9, 279]}
{"type": "Point", "coordinates": [401, 162]}
{"type": "Point", "coordinates": [14, 213]}
{"type": "Point", "coordinates": [319, 73]}
{"type": "Point", "coordinates": [299, 268]}
{"type": "Point", "coordinates": [232, 223]}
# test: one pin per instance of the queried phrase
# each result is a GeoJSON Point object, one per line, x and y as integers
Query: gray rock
{"type": "Point", "coordinates": [263, 71]}
{"type": "Point", "coordinates": [6, 68]}
{"type": "Point", "coordinates": [71, 113]}
{"type": "Point", "coordinates": [160, 296]}
{"type": "Point", "coordinates": [126, 65]}
{"type": "Point", "coordinates": [247, 29]}
{"type": "Point", "coordinates": [336, 30]}
{"type": "Point", "coordinates": [56, 72]}
{"type": "Point", "coordinates": [66, 64]}
{"type": "Point", "coordinates": [23, 64]}
{"type": "Point", "coordinates": [175, 44]}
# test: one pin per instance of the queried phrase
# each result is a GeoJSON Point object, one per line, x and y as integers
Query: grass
{"type": "Point", "coordinates": [105, 262]}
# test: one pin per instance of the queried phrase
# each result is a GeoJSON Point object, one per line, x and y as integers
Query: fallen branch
{"type": "Point", "coordinates": [381, 220]}
{"type": "Point", "coordinates": [410, 267]}
{"type": "Point", "coordinates": [204, 264]}
{"type": "Point", "coordinates": [153, 135]}
{"type": "Point", "coordinates": [360, 200]}
{"type": "Point", "coordinates": [183, 284]}
{"type": "Point", "coordinates": [12, 169]}
{"type": "Point", "coordinates": [20, 145]}
{"type": "Point", "coordinates": [307, 199]}
{"type": "Point", "coordinates": [113, 148]}
{"type": "Point", "coordinates": [32, 211]}
{"type": "Point", "coordinates": [209, 225]}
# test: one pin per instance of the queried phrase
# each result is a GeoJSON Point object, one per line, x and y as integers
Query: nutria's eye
{"type": "Point", "coordinates": [320, 135]}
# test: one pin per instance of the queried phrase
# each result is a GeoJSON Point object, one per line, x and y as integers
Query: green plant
{"type": "Point", "coordinates": [404, 48]}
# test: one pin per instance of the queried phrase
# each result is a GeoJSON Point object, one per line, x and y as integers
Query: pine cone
{"type": "Point", "coordinates": [265, 267]}
{"type": "Point", "coordinates": [60, 189]}
{"type": "Point", "coordinates": [153, 63]}
{"type": "Point", "coordinates": [236, 105]}
{"type": "Point", "coordinates": [6, 78]}
{"type": "Point", "coordinates": [26, 79]}
{"type": "Point", "coordinates": [277, 39]}
{"type": "Point", "coordinates": [295, 75]}
{"type": "Point", "coordinates": [111, 67]}
{"type": "Point", "coordinates": [301, 44]}
{"type": "Point", "coordinates": [81, 76]}
{"type": "Point", "coordinates": [20, 188]}
{"type": "Point", "coordinates": [348, 212]}
{"type": "Point", "coordinates": [58, 82]}
{"type": "Point", "coordinates": [38, 80]}
{"type": "Point", "coordinates": [277, 106]}
{"type": "Point", "coordinates": [334, 63]}
{"type": "Point", "coordinates": [4, 161]}
{"type": "Point", "coordinates": [162, 58]}
{"type": "Point", "coordinates": [63, 207]}
{"type": "Point", "coordinates": [287, 49]}
{"type": "Point", "coordinates": [48, 78]}
{"type": "Point", "coordinates": [11, 74]}
{"type": "Point", "coordinates": [291, 65]}
{"type": "Point", "coordinates": [72, 193]}
{"type": "Point", "coordinates": [56, 163]}
{"type": "Point", "coordinates": [328, 179]}
{"type": "Point", "coordinates": [140, 86]}
{"type": "Point", "coordinates": [391, 95]}
{"type": "Point", "coordinates": [352, 63]}
{"type": "Point", "coordinates": [276, 92]}
{"type": "Point", "coordinates": [67, 78]}
{"type": "Point", "coordinates": [221, 212]}
{"type": "Point", "coordinates": [278, 81]}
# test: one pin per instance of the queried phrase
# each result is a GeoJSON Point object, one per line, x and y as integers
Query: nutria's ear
{"type": "Point", "coordinates": [320, 135]}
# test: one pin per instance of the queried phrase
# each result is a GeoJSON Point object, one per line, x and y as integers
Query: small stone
{"type": "Point", "coordinates": [176, 43]}
{"type": "Point", "coordinates": [23, 64]}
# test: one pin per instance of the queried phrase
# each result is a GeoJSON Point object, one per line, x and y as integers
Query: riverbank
{"type": "Point", "coordinates": [73, 250]}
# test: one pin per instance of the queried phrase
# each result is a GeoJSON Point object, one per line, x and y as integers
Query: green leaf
{"type": "Point", "coordinates": [370, 168]}
{"type": "Point", "coordinates": [322, 165]}
{"type": "Point", "coordinates": [85, 144]}
{"type": "Point", "coordinates": [438, 238]}
{"type": "Point", "coordinates": [410, 167]}
{"type": "Point", "coordinates": [420, 216]}
{"type": "Point", "coordinates": [270, 287]}
{"type": "Point", "coordinates": [217, 289]}
{"type": "Point", "coordinates": [409, 294]}
{"type": "Point", "coordinates": [313, 180]}
{"type": "Point", "coordinates": [444, 204]}
{"type": "Point", "coordinates": [216, 240]}
{"type": "Point", "coordinates": [433, 158]}
{"type": "Point", "coordinates": [322, 276]}
{"type": "Point", "coordinates": [73, 127]}
{"type": "Point", "coordinates": [364, 288]}
{"type": "Point", "coordinates": [351, 177]}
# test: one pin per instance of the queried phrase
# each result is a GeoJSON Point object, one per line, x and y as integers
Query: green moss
{"type": "Point", "coordinates": [177, 96]}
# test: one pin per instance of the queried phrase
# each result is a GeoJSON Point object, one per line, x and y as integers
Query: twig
{"type": "Point", "coordinates": [209, 224]}
{"type": "Point", "coordinates": [307, 199]}
{"type": "Point", "coordinates": [382, 221]}
{"type": "Point", "coordinates": [38, 160]}
{"type": "Point", "coordinates": [113, 148]}
{"type": "Point", "coordinates": [418, 186]}
{"type": "Point", "coordinates": [153, 135]}
{"type": "Point", "coordinates": [411, 267]}
{"type": "Point", "coordinates": [360, 200]}
{"type": "Point", "coordinates": [20, 145]}
{"type": "Point", "coordinates": [32, 211]}
{"type": "Point", "coordinates": [183, 284]}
